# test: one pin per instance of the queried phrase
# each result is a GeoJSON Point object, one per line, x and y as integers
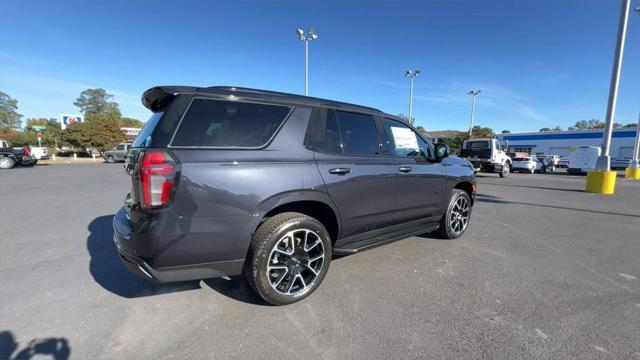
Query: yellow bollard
{"type": "Point", "coordinates": [632, 173]}
{"type": "Point", "coordinates": [601, 182]}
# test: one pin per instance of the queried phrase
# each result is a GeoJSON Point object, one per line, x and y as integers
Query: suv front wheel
{"type": "Point", "coordinates": [456, 219]}
{"type": "Point", "coordinates": [289, 257]}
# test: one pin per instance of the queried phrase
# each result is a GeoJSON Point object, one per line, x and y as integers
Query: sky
{"type": "Point", "coordinates": [539, 63]}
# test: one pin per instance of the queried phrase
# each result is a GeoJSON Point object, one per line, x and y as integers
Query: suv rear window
{"type": "Point", "coordinates": [216, 123]}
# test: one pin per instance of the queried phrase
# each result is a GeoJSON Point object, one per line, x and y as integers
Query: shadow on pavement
{"type": "Point", "coordinates": [108, 271]}
{"type": "Point", "coordinates": [482, 198]}
{"type": "Point", "coordinates": [540, 187]}
{"type": "Point", "coordinates": [49, 348]}
{"type": "Point", "coordinates": [236, 288]}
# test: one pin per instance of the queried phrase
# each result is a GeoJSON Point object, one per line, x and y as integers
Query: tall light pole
{"type": "Point", "coordinates": [634, 167]}
{"type": "Point", "coordinates": [411, 75]}
{"type": "Point", "coordinates": [309, 36]}
{"type": "Point", "coordinates": [602, 180]}
{"type": "Point", "coordinates": [473, 94]}
{"type": "Point", "coordinates": [603, 163]}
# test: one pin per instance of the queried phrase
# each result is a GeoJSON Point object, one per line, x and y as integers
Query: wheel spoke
{"type": "Point", "coordinates": [312, 270]}
{"type": "Point", "coordinates": [315, 258]}
{"type": "Point", "coordinates": [281, 277]}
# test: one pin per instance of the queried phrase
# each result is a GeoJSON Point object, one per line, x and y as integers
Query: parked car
{"type": "Point", "coordinates": [583, 159]}
{"type": "Point", "coordinates": [621, 162]}
{"type": "Point", "coordinates": [545, 163]}
{"type": "Point", "coordinates": [118, 153]}
{"type": "Point", "coordinates": [228, 181]}
{"type": "Point", "coordinates": [12, 156]}
{"type": "Point", "coordinates": [39, 152]}
{"type": "Point", "coordinates": [528, 164]}
{"type": "Point", "coordinates": [563, 162]}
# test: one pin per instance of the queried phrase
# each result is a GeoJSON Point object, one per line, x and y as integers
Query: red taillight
{"type": "Point", "coordinates": [157, 173]}
{"type": "Point", "coordinates": [26, 151]}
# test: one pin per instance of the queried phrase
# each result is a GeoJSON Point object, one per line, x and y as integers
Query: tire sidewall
{"type": "Point", "coordinates": [9, 161]}
{"type": "Point", "coordinates": [450, 234]}
{"type": "Point", "coordinates": [261, 258]}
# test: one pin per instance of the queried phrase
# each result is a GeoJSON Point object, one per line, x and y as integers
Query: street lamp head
{"type": "Point", "coordinates": [474, 92]}
{"type": "Point", "coordinates": [300, 33]}
{"type": "Point", "coordinates": [411, 74]}
{"type": "Point", "coordinates": [312, 34]}
{"type": "Point", "coordinates": [638, 9]}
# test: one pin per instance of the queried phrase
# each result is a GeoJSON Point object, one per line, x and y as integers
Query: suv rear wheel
{"type": "Point", "coordinates": [289, 257]}
{"type": "Point", "coordinates": [455, 220]}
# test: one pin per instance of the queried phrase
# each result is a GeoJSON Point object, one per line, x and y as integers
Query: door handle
{"type": "Point", "coordinates": [339, 171]}
{"type": "Point", "coordinates": [405, 169]}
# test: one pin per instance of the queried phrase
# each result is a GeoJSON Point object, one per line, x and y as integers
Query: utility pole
{"type": "Point", "coordinates": [411, 75]}
{"type": "Point", "coordinates": [309, 36]}
{"type": "Point", "coordinates": [473, 94]}
{"type": "Point", "coordinates": [633, 171]}
{"type": "Point", "coordinates": [602, 180]}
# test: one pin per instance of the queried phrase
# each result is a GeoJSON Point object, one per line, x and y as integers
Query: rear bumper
{"type": "Point", "coordinates": [125, 240]}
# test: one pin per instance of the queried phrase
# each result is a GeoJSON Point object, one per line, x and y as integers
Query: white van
{"type": "Point", "coordinates": [583, 159]}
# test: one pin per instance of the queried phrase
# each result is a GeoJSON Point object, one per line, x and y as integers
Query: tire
{"type": "Point", "coordinates": [280, 272]}
{"type": "Point", "coordinates": [110, 159]}
{"type": "Point", "coordinates": [7, 162]}
{"type": "Point", "coordinates": [448, 228]}
{"type": "Point", "coordinates": [505, 170]}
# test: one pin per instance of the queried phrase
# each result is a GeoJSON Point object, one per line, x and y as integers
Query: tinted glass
{"type": "Point", "coordinates": [403, 141]}
{"type": "Point", "coordinates": [144, 137]}
{"type": "Point", "coordinates": [229, 124]}
{"type": "Point", "coordinates": [358, 133]}
{"type": "Point", "coordinates": [328, 136]}
{"type": "Point", "coordinates": [478, 145]}
{"type": "Point", "coordinates": [120, 147]}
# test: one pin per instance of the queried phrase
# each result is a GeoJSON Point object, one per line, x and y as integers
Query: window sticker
{"type": "Point", "coordinates": [404, 138]}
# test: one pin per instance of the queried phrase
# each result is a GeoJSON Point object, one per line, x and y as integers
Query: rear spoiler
{"type": "Point", "coordinates": [156, 98]}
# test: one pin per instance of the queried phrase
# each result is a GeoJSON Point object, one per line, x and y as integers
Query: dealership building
{"type": "Point", "coordinates": [562, 142]}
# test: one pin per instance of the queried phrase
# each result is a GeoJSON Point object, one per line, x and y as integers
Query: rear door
{"type": "Point", "coordinates": [420, 186]}
{"type": "Point", "coordinates": [359, 179]}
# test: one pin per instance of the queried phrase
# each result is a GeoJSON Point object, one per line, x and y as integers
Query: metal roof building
{"type": "Point", "coordinates": [562, 142]}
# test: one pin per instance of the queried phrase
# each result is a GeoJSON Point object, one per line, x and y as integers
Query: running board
{"type": "Point", "coordinates": [373, 241]}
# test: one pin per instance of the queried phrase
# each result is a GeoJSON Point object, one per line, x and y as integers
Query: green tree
{"type": "Point", "coordinates": [22, 138]}
{"type": "Point", "coordinates": [506, 131]}
{"type": "Point", "coordinates": [51, 135]}
{"type": "Point", "coordinates": [483, 132]}
{"type": "Point", "coordinates": [96, 102]}
{"type": "Point", "coordinates": [455, 143]}
{"type": "Point", "coordinates": [631, 126]}
{"type": "Point", "coordinates": [129, 122]}
{"type": "Point", "coordinates": [421, 129]}
{"type": "Point", "coordinates": [9, 116]}
{"type": "Point", "coordinates": [544, 129]}
{"type": "Point", "coordinates": [98, 135]}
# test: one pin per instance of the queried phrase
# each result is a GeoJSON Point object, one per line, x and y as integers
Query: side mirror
{"type": "Point", "coordinates": [441, 151]}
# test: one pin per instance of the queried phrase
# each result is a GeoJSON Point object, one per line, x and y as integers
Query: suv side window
{"type": "Point", "coordinates": [342, 132]}
{"type": "Point", "coordinates": [217, 123]}
{"type": "Point", "coordinates": [403, 141]}
{"type": "Point", "coordinates": [120, 147]}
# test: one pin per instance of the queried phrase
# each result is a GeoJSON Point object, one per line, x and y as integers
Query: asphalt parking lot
{"type": "Point", "coordinates": [544, 271]}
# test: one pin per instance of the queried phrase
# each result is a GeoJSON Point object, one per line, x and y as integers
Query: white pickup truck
{"type": "Point", "coordinates": [486, 155]}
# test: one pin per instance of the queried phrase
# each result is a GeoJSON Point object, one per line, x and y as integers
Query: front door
{"type": "Point", "coordinates": [359, 180]}
{"type": "Point", "coordinates": [420, 182]}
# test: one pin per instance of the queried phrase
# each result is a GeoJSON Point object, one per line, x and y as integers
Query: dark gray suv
{"type": "Point", "coordinates": [229, 181]}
